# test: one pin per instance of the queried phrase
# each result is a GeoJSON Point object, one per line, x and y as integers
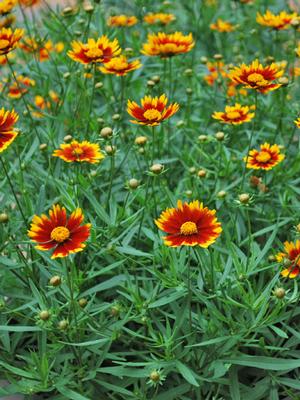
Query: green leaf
{"type": "Point", "coordinates": [187, 373]}
{"type": "Point", "coordinates": [268, 363]}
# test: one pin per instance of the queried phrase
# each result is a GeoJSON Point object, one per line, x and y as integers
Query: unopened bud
{"type": "Point", "coordinates": [220, 136]}
{"type": "Point", "coordinates": [4, 218]}
{"type": "Point", "coordinates": [156, 168]}
{"type": "Point", "coordinates": [68, 138]}
{"type": "Point", "coordinates": [55, 280]}
{"type": "Point", "coordinates": [202, 173]}
{"type": "Point", "coordinates": [279, 293]}
{"type": "Point", "coordinates": [106, 132]}
{"type": "Point", "coordinates": [244, 198]}
{"type": "Point", "coordinates": [133, 183]}
{"type": "Point", "coordinates": [82, 302]}
{"type": "Point", "coordinates": [44, 315]}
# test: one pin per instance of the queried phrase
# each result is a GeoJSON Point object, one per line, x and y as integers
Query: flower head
{"type": "Point", "coordinates": [266, 158]}
{"type": "Point", "coordinates": [168, 45]}
{"type": "Point", "coordinates": [122, 20]}
{"type": "Point", "coordinates": [189, 224]}
{"type": "Point", "coordinates": [42, 49]}
{"type": "Point", "coordinates": [222, 26]}
{"type": "Point", "coordinates": [6, 6]}
{"type": "Point", "coordinates": [17, 89]}
{"type": "Point", "coordinates": [28, 3]}
{"type": "Point", "coordinates": [292, 256]}
{"type": "Point", "coordinates": [101, 50]}
{"type": "Point", "coordinates": [153, 110]}
{"type": "Point", "coordinates": [215, 69]}
{"type": "Point", "coordinates": [7, 132]}
{"type": "Point", "coordinates": [9, 39]}
{"type": "Point", "coordinates": [64, 235]}
{"type": "Point", "coordinates": [255, 76]}
{"type": "Point", "coordinates": [234, 115]}
{"type": "Point", "coordinates": [120, 66]}
{"type": "Point", "coordinates": [80, 152]}
{"type": "Point", "coordinates": [161, 18]}
{"type": "Point", "coordinates": [297, 122]}
{"type": "Point", "coordinates": [277, 22]}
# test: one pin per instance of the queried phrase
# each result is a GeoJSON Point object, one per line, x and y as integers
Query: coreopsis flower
{"type": "Point", "coordinates": [291, 258]}
{"type": "Point", "coordinates": [190, 224]}
{"type": "Point", "coordinates": [7, 132]}
{"type": "Point", "coordinates": [234, 115]}
{"type": "Point", "coordinates": [278, 22]}
{"type": "Point", "coordinates": [233, 91]}
{"type": "Point", "coordinates": [297, 50]}
{"type": "Point", "coordinates": [17, 89]}
{"type": "Point", "coordinates": [80, 152]}
{"type": "Point", "coordinates": [9, 39]}
{"type": "Point", "coordinates": [168, 45]}
{"type": "Point", "coordinates": [161, 18]}
{"type": "Point", "coordinates": [120, 66]}
{"type": "Point", "coordinates": [122, 20]}
{"type": "Point", "coordinates": [256, 76]}
{"type": "Point", "coordinates": [101, 50]}
{"type": "Point", "coordinates": [153, 110]}
{"type": "Point", "coordinates": [222, 26]}
{"type": "Point", "coordinates": [297, 122]}
{"type": "Point", "coordinates": [215, 69]}
{"type": "Point", "coordinates": [7, 21]}
{"type": "Point", "coordinates": [42, 49]}
{"type": "Point", "coordinates": [64, 235]}
{"type": "Point", "coordinates": [266, 158]}
{"type": "Point", "coordinates": [6, 6]}
{"type": "Point", "coordinates": [29, 3]}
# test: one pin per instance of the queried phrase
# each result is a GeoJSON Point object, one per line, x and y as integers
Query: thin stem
{"type": "Point", "coordinates": [189, 298]}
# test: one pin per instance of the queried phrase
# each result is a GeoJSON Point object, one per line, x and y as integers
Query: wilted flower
{"type": "Point", "coordinates": [168, 45]}
{"type": "Point", "coordinates": [234, 115]}
{"type": "Point", "coordinates": [80, 152]}
{"type": "Point", "coordinates": [120, 66]}
{"type": "Point", "coordinates": [266, 158]}
{"type": "Point", "coordinates": [290, 258]}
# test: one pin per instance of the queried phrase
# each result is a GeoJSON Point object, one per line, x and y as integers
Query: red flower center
{"type": "Point", "coordinates": [188, 228]}
{"type": "Point", "coordinates": [60, 234]}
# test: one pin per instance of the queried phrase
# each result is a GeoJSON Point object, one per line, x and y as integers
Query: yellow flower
{"type": "Point", "coordinates": [234, 115]}
{"type": "Point", "coordinates": [266, 158]}
{"type": "Point", "coordinates": [168, 45]}
{"type": "Point", "coordinates": [297, 122]}
{"type": "Point", "coordinates": [120, 66]}
{"type": "Point", "coordinates": [162, 18]}
{"type": "Point", "coordinates": [9, 39]}
{"type": "Point", "coordinates": [122, 20]}
{"type": "Point", "coordinates": [278, 22]}
{"type": "Point", "coordinates": [222, 26]}
{"type": "Point", "coordinates": [6, 6]}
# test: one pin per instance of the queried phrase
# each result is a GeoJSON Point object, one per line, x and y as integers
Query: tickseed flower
{"type": "Point", "coordinates": [122, 20]}
{"type": "Point", "coordinates": [80, 152]}
{"type": "Point", "coordinates": [153, 110]}
{"type": "Point", "coordinates": [42, 49]}
{"type": "Point", "coordinates": [120, 66]}
{"type": "Point", "coordinates": [168, 45]}
{"type": "Point", "coordinates": [222, 26]}
{"type": "Point", "coordinates": [9, 39]}
{"type": "Point", "coordinates": [28, 3]}
{"type": "Point", "coordinates": [266, 158]}
{"type": "Point", "coordinates": [297, 50]}
{"type": "Point", "coordinates": [255, 76]}
{"type": "Point", "coordinates": [17, 89]}
{"type": "Point", "coordinates": [297, 122]}
{"type": "Point", "coordinates": [278, 22]}
{"type": "Point", "coordinates": [64, 235]}
{"type": "Point", "coordinates": [6, 6]}
{"type": "Point", "coordinates": [190, 224]}
{"type": "Point", "coordinates": [101, 50]}
{"type": "Point", "coordinates": [7, 21]}
{"type": "Point", "coordinates": [159, 18]}
{"type": "Point", "coordinates": [291, 258]}
{"type": "Point", "coordinates": [215, 69]}
{"type": "Point", "coordinates": [234, 115]}
{"type": "Point", "coordinates": [7, 132]}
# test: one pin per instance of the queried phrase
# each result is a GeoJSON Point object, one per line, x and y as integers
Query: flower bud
{"type": "Point", "coordinates": [150, 83]}
{"type": "Point", "coordinates": [55, 280]}
{"type": "Point", "coordinates": [116, 117]}
{"type": "Point", "coordinates": [63, 324]}
{"type": "Point", "coordinates": [66, 75]}
{"type": "Point", "coordinates": [220, 136]}
{"type": "Point", "coordinates": [188, 72]}
{"type": "Point", "coordinates": [141, 140]}
{"type": "Point", "coordinates": [189, 91]}
{"type": "Point", "coordinates": [192, 170]}
{"type": "Point", "coordinates": [218, 56]}
{"type": "Point", "coordinates": [221, 194]}
{"type": "Point", "coordinates": [244, 198]}
{"type": "Point", "coordinates": [202, 173]}
{"type": "Point", "coordinates": [44, 315]}
{"type": "Point", "coordinates": [115, 311]}
{"type": "Point", "coordinates": [128, 51]}
{"type": "Point", "coordinates": [279, 293]}
{"type": "Point", "coordinates": [43, 146]}
{"type": "Point", "coordinates": [283, 80]}
{"type": "Point", "coordinates": [133, 183]}
{"type": "Point", "coordinates": [203, 60]}
{"type": "Point", "coordinates": [99, 85]}
{"type": "Point", "coordinates": [110, 150]}
{"type": "Point", "coordinates": [180, 123]}
{"type": "Point", "coordinates": [271, 258]}
{"type": "Point", "coordinates": [202, 138]}
{"type": "Point", "coordinates": [106, 132]}
{"type": "Point", "coordinates": [154, 376]}
{"type": "Point", "coordinates": [155, 78]}
{"type": "Point", "coordinates": [68, 138]}
{"type": "Point", "coordinates": [82, 302]}
{"type": "Point", "coordinates": [156, 168]}
{"type": "Point", "coordinates": [4, 218]}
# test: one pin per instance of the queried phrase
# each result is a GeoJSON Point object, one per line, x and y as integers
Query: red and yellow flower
{"type": "Point", "coordinates": [120, 66]}
{"type": "Point", "coordinates": [190, 224]}
{"type": "Point", "coordinates": [101, 50]}
{"type": "Point", "coordinates": [297, 122]}
{"type": "Point", "coordinates": [215, 69]}
{"type": "Point", "coordinates": [234, 115]}
{"type": "Point", "coordinates": [122, 20]}
{"type": "Point", "coordinates": [168, 45]}
{"type": "Point", "coordinates": [256, 76]}
{"type": "Point", "coordinates": [64, 235]}
{"type": "Point", "coordinates": [9, 39]}
{"type": "Point", "coordinates": [153, 110]}
{"type": "Point", "coordinates": [266, 158]}
{"type": "Point", "coordinates": [222, 26]}
{"type": "Point", "coordinates": [297, 50]}
{"type": "Point", "coordinates": [80, 152]}
{"type": "Point", "coordinates": [17, 89]}
{"type": "Point", "coordinates": [278, 22]}
{"type": "Point", "coordinates": [28, 3]}
{"type": "Point", "coordinates": [6, 6]}
{"type": "Point", "coordinates": [291, 257]}
{"type": "Point", "coordinates": [43, 49]}
{"type": "Point", "coordinates": [159, 18]}
{"type": "Point", "coordinates": [7, 132]}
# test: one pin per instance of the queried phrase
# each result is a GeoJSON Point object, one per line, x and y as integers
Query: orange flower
{"type": "Point", "coordinates": [9, 39]}
{"type": "Point", "coordinates": [168, 45]}
{"type": "Point", "coordinates": [215, 69]}
{"type": "Point", "coordinates": [120, 66]}
{"type": "Point", "coordinates": [153, 111]}
{"type": "Point", "coordinates": [297, 122]}
{"type": "Point", "coordinates": [292, 256]}
{"type": "Point", "coordinates": [255, 76]}
{"type": "Point", "coordinates": [189, 224]}
{"type": "Point", "coordinates": [17, 89]}
{"type": "Point", "coordinates": [64, 235]}
{"type": "Point", "coordinates": [222, 26]}
{"type": "Point", "coordinates": [28, 3]}
{"type": "Point", "coordinates": [6, 6]}
{"type": "Point", "coordinates": [122, 20]}
{"type": "Point", "coordinates": [266, 158]}
{"type": "Point", "coordinates": [162, 18]}
{"type": "Point", "coordinates": [80, 152]}
{"type": "Point", "coordinates": [7, 132]}
{"type": "Point", "coordinates": [43, 49]}
{"type": "Point", "coordinates": [234, 115]}
{"type": "Point", "coordinates": [101, 50]}
{"type": "Point", "coordinates": [277, 22]}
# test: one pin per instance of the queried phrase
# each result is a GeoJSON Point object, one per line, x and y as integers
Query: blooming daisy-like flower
{"type": "Point", "coordinates": [234, 115]}
{"type": "Point", "coordinates": [80, 152]}
{"type": "Point", "coordinates": [291, 255]}
{"type": "Point", "coordinates": [9, 39]}
{"type": "Point", "coordinates": [28, 3]}
{"type": "Point", "coordinates": [6, 6]}
{"type": "Point", "coordinates": [7, 132]}
{"type": "Point", "coordinates": [297, 122]}
{"type": "Point", "coordinates": [161, 18]}
{"type": "Point", "coordinates": [64, 235]}
{"type": "Point", "coordinates": [215, 69]}
{"type": "Point", "coordinates": [189, 224]}
{"type": "Point", "coordinates": [255, 76]}
{"type": "Point", "coordinates": [153, 110]}
{"type": "Point", "coordinates": [122, 20]}
{"type": "Point", "coordinates": [17, 89]}
{"type": "Point", "coordinates": [43, 49]}
{"type": "Point", "coordinates": [101, 50]}
{"type": "Point", "coordinates": [266, 158]}
{"type": "Point", "coordinates": [222, 26]}
{"type": "Point", "coordinates": [277, 22]}
{"type": "Point", "coordinates": [168, 45]}
{"type": "Point", "coordinates": [120, 66]}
